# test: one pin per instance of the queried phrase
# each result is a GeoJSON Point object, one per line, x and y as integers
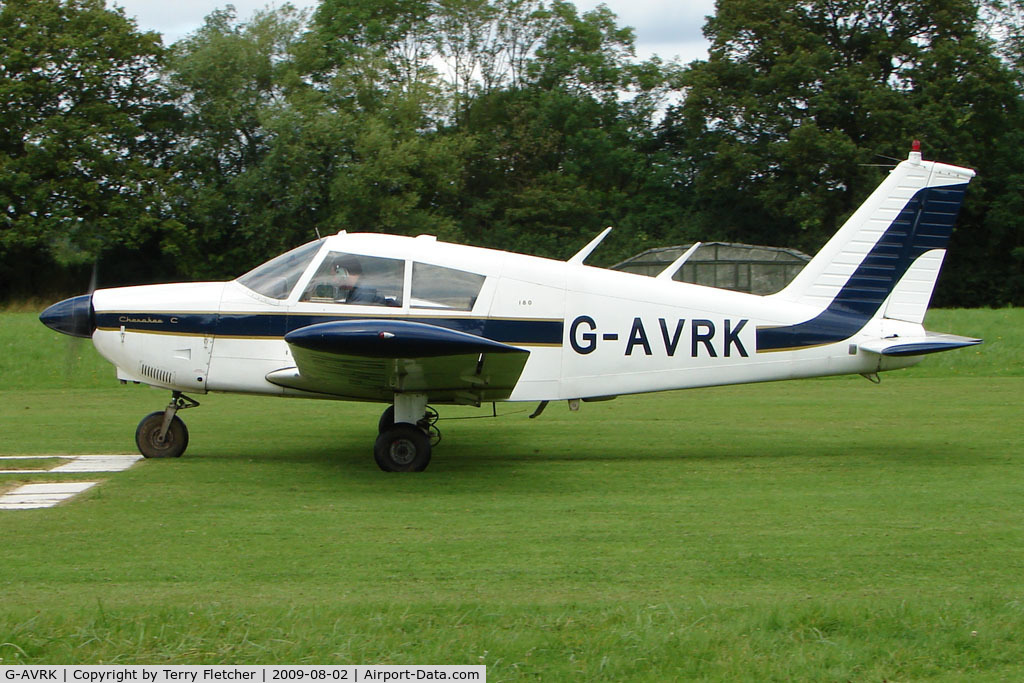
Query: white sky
{"type": "Point", "coordinates": [668, 28]}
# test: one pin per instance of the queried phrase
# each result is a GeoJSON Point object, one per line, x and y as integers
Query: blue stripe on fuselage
{"type": "Point", "coordinates": [925, 223]}
{"type": "Point", "coordinates": [277, 325]}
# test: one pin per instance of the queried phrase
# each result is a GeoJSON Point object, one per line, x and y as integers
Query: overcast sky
{"type": "Point", "coordinates": [669, 28]}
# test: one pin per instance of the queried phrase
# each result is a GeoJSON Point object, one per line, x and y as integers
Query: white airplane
{"type": "Point", "coordinates": [411, 320]}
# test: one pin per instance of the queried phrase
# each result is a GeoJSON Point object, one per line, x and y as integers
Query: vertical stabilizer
{"type": "Point", "coordinates": [883, 262]}
{"type": "Point", "coordinates": [885, 259]}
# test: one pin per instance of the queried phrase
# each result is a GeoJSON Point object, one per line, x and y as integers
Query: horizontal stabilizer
{"type": "Point", "coordinates": [918, 345]}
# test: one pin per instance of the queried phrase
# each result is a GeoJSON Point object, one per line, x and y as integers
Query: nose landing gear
{"type": "Point", "coordinates": [162, 434]}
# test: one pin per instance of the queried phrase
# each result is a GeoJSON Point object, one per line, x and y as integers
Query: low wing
{"type": "Point", "coordinates": [374, 359]}
{"type": "Point", "coordinates": [929, 342]}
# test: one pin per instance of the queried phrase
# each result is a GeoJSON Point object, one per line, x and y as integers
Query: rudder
{"type": "Point", "coordinates": [909, 215]}
{"type": "Point", "coordinates": [883, 262]}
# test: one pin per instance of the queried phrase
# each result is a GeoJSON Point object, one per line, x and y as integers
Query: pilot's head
{"type": "Point", "coordinates": [347, 272]}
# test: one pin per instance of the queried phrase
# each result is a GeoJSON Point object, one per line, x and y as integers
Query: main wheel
{"type": "Point", "coordinates": [402, 448]}
{"type": "Point", "coordinates": [147, 437]}
{"type": "Point", "coordinates": [387, 420]}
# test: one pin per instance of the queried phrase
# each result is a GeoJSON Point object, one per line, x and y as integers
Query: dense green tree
{"type": "Point", "coordinates": [561, 155]}
{"type": "Point", "coordinates": [517, 124]}
{"type": "Point", "coordinates": [373, 69]}
{"type": "Point", "coordinates": [463, 37]}
{"type": "Point", "coordinates": [798, 103]}
{"type": "Point", "coordinates": [309, 135]}
{"type": "Point", "coordinates": [372, 47]}
{"type": "Point", "coordinates": [1004, 22]}
{"type": "Point", "coordinates": [1004, 211]}
{"type": "Point", "coordinates": [232, 78]}
{"type": "Point", "coordinates": [83, 131]}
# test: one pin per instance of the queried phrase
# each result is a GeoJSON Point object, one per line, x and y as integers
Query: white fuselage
{"type": "Point", "coordinates": [590, 332]}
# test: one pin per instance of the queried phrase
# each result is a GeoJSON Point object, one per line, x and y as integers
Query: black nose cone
{"type": "Point", "coordinates": [73, 316]}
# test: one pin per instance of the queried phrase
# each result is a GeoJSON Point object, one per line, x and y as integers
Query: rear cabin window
{"type": "Point", "coordinates": [276, 278]}
{"type": "Point", "coordinates": [355, 279]}
{"type": "Point", "coordinates": [444, 288]}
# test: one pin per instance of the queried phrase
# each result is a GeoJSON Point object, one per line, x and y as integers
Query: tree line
{"type": "Point", "coordinates": [516, 124]}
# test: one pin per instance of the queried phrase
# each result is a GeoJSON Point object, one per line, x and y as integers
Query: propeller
{"type": "Point", "coordinates": [85, 319]}
{"type": "Point", "coordinates": [74, 317]}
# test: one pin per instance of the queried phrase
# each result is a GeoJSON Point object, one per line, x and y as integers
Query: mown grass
{"type": "Point", "coordinates": [40, 464]}
{"type": "Point", "coordinates": [1001, 354]}
{"type": "Point", "coordinates": [815, 530]}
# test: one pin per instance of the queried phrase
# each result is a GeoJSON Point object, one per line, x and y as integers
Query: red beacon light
{"type": "Point", "coordinates": [915, 152]}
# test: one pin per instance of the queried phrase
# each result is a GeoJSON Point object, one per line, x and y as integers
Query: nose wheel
{"type": "Point", "coordinates": [163, 434]}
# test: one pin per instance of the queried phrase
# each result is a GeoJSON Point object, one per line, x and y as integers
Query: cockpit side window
{"type": "Point", "coordinates": [447, 288]}
{"type": "Point", "coordinates": [277, 277]}
{"type": "Point", "coordinates": [356, 279]}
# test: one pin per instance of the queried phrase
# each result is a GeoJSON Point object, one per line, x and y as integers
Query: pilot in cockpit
{"type": "Point", "coordinates": [347, 273]}
{"type": "Point", "coordinates": [350, 279]}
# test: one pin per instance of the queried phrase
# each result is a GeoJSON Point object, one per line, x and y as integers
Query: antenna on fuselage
{"type": "Point", "coordinates": [317, 231]}
{"type": "Point", "coordinates": [677, 264]}
{"type": "Point", "coordinates": [583, 253]}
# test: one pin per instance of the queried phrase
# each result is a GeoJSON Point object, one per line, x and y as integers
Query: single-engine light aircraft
{"type": "Point", "coordinates": [411, 320]}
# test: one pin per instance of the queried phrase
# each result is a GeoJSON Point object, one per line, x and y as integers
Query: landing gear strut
{"type": "Point", "coordinates": [162, 434]}
{"type": "Point", "coordinates": [406, 435]}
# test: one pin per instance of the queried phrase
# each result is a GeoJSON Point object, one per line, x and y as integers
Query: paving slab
{"type": "Point", "coordinates": [98, 463]}
{"type": "Point", "coordinates": [48, 494]}
{"type": "Point", "coordinates": [31, 496]}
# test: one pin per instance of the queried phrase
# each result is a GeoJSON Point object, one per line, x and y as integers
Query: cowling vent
{"type": "Point", "coordinates": [157, 374]}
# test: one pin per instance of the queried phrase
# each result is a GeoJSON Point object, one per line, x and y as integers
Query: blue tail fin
{"type": "Point", "coordinates": [883, 262]}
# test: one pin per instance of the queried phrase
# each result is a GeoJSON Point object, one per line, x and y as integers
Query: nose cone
{"type": "Point", "coordinates": [74, 316]}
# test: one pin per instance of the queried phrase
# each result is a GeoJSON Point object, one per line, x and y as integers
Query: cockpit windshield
{"type": "Point", "coordinates": [277, 277]}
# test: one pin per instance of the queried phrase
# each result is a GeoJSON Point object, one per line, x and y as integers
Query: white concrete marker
{"type": "Point", "coordinates": [98, 463]}
{"type": "Point", "coordinates": [31, 496]}
{"type": "Point", "coordinates": [78, 463]}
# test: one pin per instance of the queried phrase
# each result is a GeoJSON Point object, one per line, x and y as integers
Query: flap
{"type": "Point", "coordinates": [374, 359]}
{"type": "Point", "coordinates": [918, 345]}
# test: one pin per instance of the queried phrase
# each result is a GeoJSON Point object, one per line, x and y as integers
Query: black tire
{"type": "Point", "coordinates": [174, 443]}
{"type": "Point", "coordinates": [403, 448]}
{"type": "Point", "coordinates": [387, 420]}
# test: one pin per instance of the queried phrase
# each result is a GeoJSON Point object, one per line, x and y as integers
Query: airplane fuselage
{"type": "Point", "coordinates": [411, 320]}
{"type": "Point", "coordinates": [590, 332]}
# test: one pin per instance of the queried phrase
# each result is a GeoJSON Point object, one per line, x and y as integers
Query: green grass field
{"type": "Point", "coordinates": [814, 530]}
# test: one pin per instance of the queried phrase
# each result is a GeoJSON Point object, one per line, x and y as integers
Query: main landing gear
{"type": "Point", "coordinates": [407, 432]}
{"type": "Point", "coordinates": [162, 434]}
